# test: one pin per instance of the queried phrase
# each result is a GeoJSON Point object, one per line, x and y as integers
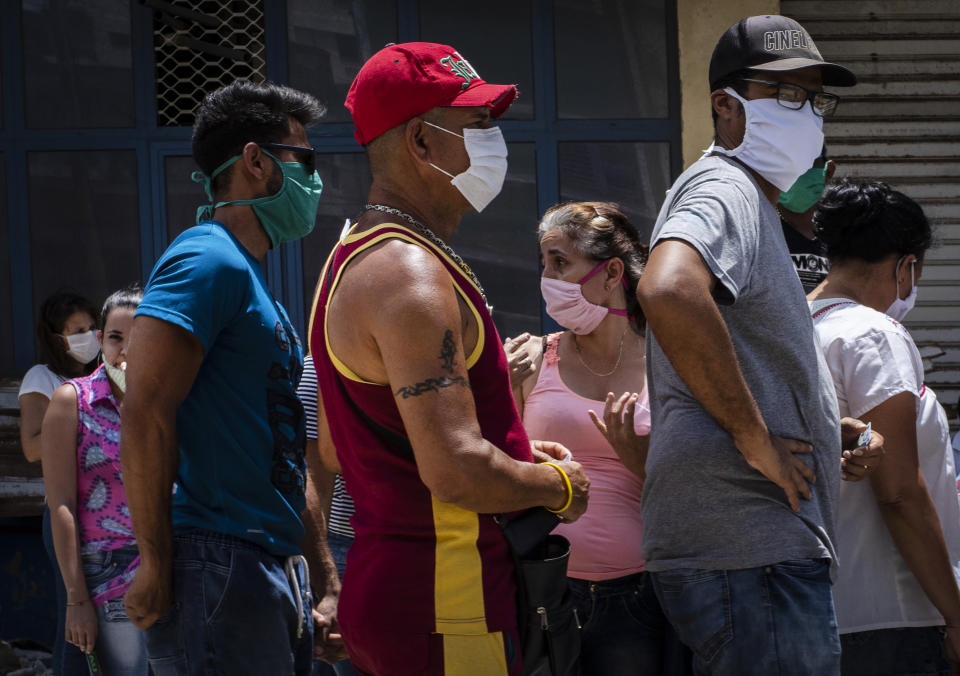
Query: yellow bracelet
{"type": "Point", "coordinates": [566, 483]}
{"type": "Point", "coordinates": [76, 603]}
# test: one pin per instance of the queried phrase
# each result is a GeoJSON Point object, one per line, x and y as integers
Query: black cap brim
{"type": "Point", "coordinates": [834, 75]}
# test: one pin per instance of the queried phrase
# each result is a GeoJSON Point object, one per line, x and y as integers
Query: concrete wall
{"type": "Point", "coordinates": [700, 24]}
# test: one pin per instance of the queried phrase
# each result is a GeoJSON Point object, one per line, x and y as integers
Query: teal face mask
{"type": "Point", "coordinates": [805, 191]}
{"type": "Point", "coordinates": [288, 214]}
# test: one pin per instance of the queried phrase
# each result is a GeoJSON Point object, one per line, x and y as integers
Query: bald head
{"type": "Point", "coordinates": [388, 152]}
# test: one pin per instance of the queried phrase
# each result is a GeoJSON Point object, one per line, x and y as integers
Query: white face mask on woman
{"type": "Point", "coordinates": [483, 179]}
{"type": "Point", "coordinates": [118, 374]}
{"type": "Point", "coordinates": [779, 143]}
{"type": "Point", "coordinates": [83, 347]}
{"type": "Point", "coordinates": [901, 306]}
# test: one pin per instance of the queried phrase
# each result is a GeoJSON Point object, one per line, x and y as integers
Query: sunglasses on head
{"type": "Point", "coordinates": [305, 156]}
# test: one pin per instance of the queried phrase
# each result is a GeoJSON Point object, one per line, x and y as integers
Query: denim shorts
{"type": "Point", "coordinates": [120, 647]}
{"type": "Point", "coordinates": [235, 611]}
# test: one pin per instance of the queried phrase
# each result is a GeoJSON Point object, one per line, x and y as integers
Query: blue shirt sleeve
{"type": "Point", "coordinates": [199, 284]}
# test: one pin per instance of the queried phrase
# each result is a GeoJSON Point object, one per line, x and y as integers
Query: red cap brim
{"type": "Point", "coordinates": [497, 97]}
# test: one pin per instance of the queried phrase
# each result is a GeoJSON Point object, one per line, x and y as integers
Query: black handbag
{"type": "Point", "coordinates": [546, 612]}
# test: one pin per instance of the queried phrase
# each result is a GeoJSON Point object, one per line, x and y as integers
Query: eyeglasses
{"type": "Point", "coordinates": [794, 96]}
{"type": "Point", "coordinates": [305, 156]}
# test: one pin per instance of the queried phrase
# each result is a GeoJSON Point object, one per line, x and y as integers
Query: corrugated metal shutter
{"type": "Point", "coordinates": [901, 124]}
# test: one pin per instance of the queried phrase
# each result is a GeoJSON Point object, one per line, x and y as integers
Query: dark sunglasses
{"type": "Point", "coordinates": [794, 96]}
{"type": "Point", "coordinates": [305, 156]}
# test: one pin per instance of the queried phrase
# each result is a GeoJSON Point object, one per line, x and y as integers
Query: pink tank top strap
{"type": "Point", "coordinates": [550, 354]}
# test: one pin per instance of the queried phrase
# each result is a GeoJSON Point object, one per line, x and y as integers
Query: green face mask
{"type": "Point", "coordinates": [805, 191]}
{"type": "Point", "coordinates": [288, 214]}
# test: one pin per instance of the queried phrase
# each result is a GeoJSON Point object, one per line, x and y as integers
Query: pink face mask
{"type": "Point", "coordinates": [568, 307]}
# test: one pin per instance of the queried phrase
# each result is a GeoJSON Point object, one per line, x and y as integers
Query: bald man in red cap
{"type": "Point", "coordinates": [414, 385]}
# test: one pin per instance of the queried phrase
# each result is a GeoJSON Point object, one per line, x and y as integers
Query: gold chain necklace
{"type": "Point", "coordinates": [576, 344]}
{"type": "Point", "coordinates": [430, 235]}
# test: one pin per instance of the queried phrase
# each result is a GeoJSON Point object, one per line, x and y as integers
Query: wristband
{"type": "Point", "coordinates": [566, 484]}
{"type": "Point", "coordinates": [76, 603]}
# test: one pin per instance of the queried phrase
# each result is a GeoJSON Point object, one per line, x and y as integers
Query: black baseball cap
{"type": "Point", "coordinates": [771, 42]}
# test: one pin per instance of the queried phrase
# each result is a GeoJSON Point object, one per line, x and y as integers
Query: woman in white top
{"type": "Point", "coordinates": [67, 333]}
{"type": "Point", "coordinates": [896, 594]}
{"type": "Point", "coordinates": [67, 336]}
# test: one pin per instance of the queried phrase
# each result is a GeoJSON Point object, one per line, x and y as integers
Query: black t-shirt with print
{"type": "Point", "coordinates": [809, 257]}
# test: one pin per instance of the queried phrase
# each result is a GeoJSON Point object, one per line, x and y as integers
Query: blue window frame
{"type": "Point", "coordinates": [550, 136]}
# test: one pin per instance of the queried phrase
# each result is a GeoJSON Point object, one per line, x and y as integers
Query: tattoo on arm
{"type": "Point", "coordinates": [448, 351]}
{"type": "Point", "coordinates": [430, 385]}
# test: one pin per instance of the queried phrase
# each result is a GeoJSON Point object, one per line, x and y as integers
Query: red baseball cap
{"type": "Point", "coordinates": [402, 81]}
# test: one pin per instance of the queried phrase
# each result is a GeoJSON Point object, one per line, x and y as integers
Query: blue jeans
{"type": "Point", "coordinates": [339, 544]}
{"type": "Point", "coordinates": [235, 611]}
{"type": "Point", "coordinates": [68, 659]}
{"type": "Point", "coordinates": [776, 619]}
{"type": "Point", "coordinates": [918, 651]}
{"type": "Point", "coordinates": [120, 645]}
{"type": "Point", "coordinates": [624, 630]}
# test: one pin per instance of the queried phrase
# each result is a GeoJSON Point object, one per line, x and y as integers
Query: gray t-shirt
{"type": "Point", "coordinates": [703, 505]}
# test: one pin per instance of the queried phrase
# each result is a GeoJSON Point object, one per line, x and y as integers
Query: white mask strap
{"type": "Point", "coordinates": [441, 170]}
{"type": "Point", "coordinates": [449, 132]}
{"type": "Point", "coordinates": [913, 281]}
{"type": "Point", "coordinates": [442, 129]}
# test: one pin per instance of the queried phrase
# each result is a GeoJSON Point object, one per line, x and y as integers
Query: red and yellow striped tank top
{"type": "Point", "coordinates": [417, 565]}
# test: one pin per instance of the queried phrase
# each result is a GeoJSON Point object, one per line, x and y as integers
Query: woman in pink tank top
{"type": "Point", "coordinates": [92, 532]}
{"type": "Point", "coordinates": [563, 386]}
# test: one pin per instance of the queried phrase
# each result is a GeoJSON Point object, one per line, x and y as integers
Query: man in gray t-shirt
{"type": "Point", "coordinates": [743, 467]}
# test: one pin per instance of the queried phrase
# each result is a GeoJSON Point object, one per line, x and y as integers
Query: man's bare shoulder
{"type": "Point", "coordinates": [390, 298]}
{"type": "Point", "coordinates": [395, 271]}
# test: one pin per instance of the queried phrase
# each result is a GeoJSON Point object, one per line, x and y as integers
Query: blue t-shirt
{"type": "Point", "coordinates": [241, 428]}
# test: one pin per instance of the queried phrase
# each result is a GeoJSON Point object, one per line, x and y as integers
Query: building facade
{"type": "Point", "coordinates": [97, 100]}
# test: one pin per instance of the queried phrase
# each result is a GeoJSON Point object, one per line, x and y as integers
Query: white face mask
{"type": "Point", "coordinates": [84, 347]}
{"type": "Point", "coordinates": [118, 374]}
{"type": "Point", "coordinates": [483, 179]}
{"type": "Point", "coordinates": [901, 306]}
{"type": "Point", "coordinates": [778, 143]}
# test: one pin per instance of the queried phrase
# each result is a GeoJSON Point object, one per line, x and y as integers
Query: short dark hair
{"type": "Point", "coordinates": [861, 219]}
{"type": "Point", "coordinates": [54, 312]}
{"type": "Point", "coordinates": [128, 297]}
{"type": "Point", "coordinates": [237, 114]}
{"type": "Point", "coordinates": [734, 81]}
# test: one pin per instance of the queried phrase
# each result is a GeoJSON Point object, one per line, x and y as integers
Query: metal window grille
{"type": "Point", "coordinates": [200, 45]}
